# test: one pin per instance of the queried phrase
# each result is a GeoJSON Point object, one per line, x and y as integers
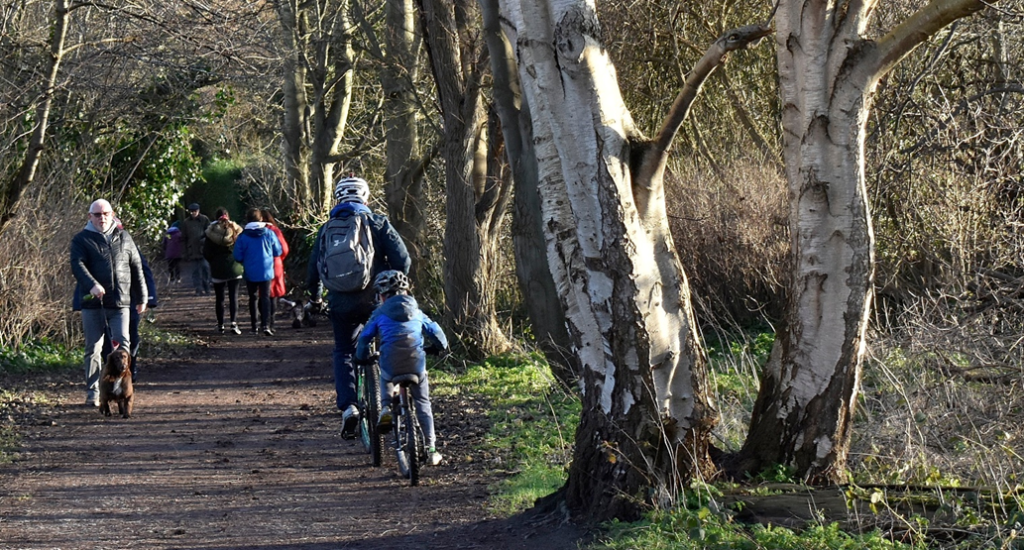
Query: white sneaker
{"type": "Point", "coordinates": [434, 457]}
{"type": "Point", "coordinates": [384, 422]}
{"type": "Point", "coordinates": [349, 420]}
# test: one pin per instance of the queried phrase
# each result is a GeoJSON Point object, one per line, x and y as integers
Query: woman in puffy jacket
{"type": "Point", "coordinates": [256, 249]}
{"type": "Point", "coordinates": [225, 271]}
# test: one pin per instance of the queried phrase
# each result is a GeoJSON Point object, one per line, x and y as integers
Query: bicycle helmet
{"type": "Point", "coordinates": [352, 189]}
{"type": "Point", "coordinates": [390, 282]}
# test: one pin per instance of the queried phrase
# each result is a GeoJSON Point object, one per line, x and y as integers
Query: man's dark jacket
{"type": "Point", "coordinates": [114, 264]}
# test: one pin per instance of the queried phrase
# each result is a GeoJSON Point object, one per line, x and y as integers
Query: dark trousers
{"type": "Point", "coordinates": [232, 290]}
{"type": "Point", "coordinates": [261, 288]}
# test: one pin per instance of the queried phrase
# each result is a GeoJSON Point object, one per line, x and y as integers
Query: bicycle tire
{"type": "Point", "coordinates": [405, 453]}
{"type": "Point", "coordinates": [373, 413]}
{"type": "Point", "coordinates": [413, 442]}
{"type": "Point", "coordinates": [365, 430]}
{"type": "Point", "coordinates": [399, 430]}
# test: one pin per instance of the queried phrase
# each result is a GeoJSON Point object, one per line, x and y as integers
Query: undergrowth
{"type": "Point", "coordinates": [533, 422]}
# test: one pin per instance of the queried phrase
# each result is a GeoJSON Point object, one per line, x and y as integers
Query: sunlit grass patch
{"type": "Point", "coordinates": [38, 355]}
{"type": "Point", "coordinates": [532, 425]}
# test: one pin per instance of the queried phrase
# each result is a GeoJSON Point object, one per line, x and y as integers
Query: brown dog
{"type": "Point", "coordinates": [116, 383]}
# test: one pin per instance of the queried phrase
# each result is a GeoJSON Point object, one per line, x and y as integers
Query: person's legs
{"type": "Point", "coordinates": [218, 304]}
{"type": "Point", "coordinates": [272, 306]}
{"type": "Point", "coordinates": [345, 334]}
{"type": "Point", "coordinates": [264, 292]}
{"type": "Point", "coordinates": [233, 300]}
{"type": "Point", "coordinates": [204, 276]}
{"type": "Point", "coordinates": [195, 268]}
{"type": "Point", "coordinates": [134, 319]}
{"type": "Point", "coordinates": [94, 329]}
{"type": "Point", "coordinates": [421, 395]}
{"type": "Point", "coordinates": [252, 289]}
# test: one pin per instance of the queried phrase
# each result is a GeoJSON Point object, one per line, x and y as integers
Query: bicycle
{"type": "Point", "coordinates": [368, 392]}
{"type": "Point", "coordinates": [410, 444]}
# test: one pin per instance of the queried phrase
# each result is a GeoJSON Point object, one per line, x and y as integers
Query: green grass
{"type": "Point", "coordinates": [696, 527]}
{"type": "Point", "coordinates": [533, 423]}
{"type": "Point", "coordinates": [38, 356]}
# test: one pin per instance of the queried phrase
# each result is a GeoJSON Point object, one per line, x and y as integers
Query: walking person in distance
{"type": "Point", "coordinates": [193, 232]}
{"type": "Point", "coordinates": [225, 271]}
{"type": "Point", "coordinates": [256, 249]}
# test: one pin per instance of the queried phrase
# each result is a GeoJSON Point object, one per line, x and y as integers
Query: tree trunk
{"type": "Point", "coordinates": [804, 411]}
{"type": "Point", "coordinates": [332, 85]}
{"type": "Point", "coordinates": [647, 414]}
{"type": "Point", "coordinates": [12, 190]}
{"type": "Point", "coordinates": [472, 215]}
{"type": "Point", "coordinates": [540, 295]}
{"type": "Point", "coordinates": [317, 95]}
{"type": "Point", "coordinates": [403, 175]}
{"type": "Point", "coordinates": [295, 106]}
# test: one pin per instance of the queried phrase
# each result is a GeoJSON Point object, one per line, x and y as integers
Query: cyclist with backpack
{"type": "Point", "coordinates": [404, 332]}
{"type": "Point", "coordinates": [349, 251]}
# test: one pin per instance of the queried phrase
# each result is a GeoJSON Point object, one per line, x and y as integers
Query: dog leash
{"type": "Point", "coordinates": [106, 324]}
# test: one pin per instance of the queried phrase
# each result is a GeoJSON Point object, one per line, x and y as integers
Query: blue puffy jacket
{"type": "Point", "coordinates": [403, 329]}
{"type": "Point", "coordinates": [255, 248]}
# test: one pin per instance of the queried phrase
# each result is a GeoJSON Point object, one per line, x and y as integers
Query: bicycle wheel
{"type": "Point", "coordinates": [373, 412]}
{"type": "Point", "coordinates": [406, 444]}
{"type": "Point", "coordinates": [365, 429]}
{"type": "Point", "coordinates": [413, 441]}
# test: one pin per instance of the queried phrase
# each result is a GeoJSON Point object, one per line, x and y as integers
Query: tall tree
{"type": "Point", "coordinates": [13, 186]}
{"type": "Point", "coordinates": [475, 198]}
{"type": "Point", "coordinates": [647, 413]}
{"type": "Point", "coordinates": [828, 71]}
{"type": "Point", "coordinates": [406, 160]}
{"type": "Point", "coordinates": [547, 318]}
{"type": "Point", "coordinates": [318, 76]}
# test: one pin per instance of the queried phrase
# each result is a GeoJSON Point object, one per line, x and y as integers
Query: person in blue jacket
{"type": "Point", "coordinates": [348, 311]}
{"type": "Point", "coordinates": [404, 332]}
{"type": "Point", "coordinates": [255, 249]}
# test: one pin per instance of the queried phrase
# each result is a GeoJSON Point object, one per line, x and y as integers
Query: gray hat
{"type": "Point", "coordinates": [193, 206]}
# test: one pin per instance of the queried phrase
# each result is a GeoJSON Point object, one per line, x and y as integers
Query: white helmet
{"type": "Point", "coordinates": [390, 282]}
{"type": "Point", "coordinates": [352, 189]}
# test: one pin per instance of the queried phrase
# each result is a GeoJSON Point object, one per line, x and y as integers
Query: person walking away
{"type": "Point", "coordinates": [107, 269]}
{"type": "Point", "coordinates": [173, 249]}
{"type": "Point", "coordinates": [350, 249]}
{"type": "Point", "coordinates": [225, 271]}
{"type": "Point", "coordinates": [404, 332]}
{"type": "Point", "coordinates": [256, 248]}
{"type": "Point", "coordinates": [278, 289]}
{"type": "Point", "coordinates": [193, 229]}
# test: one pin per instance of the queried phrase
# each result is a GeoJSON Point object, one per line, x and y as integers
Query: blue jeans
{"type": "Point", "coordinates": [346, 331]}
{"type": "Point", "coordinates": [94, 328]}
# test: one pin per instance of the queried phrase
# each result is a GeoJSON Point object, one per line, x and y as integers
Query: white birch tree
{"type": "Point", "coordinates": [647, 413]}
{"type": "Point", "coordinates": [828, 71]}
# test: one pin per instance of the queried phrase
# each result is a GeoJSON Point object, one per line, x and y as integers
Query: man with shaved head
{"type": "Point", "coordinates": [107, 268]}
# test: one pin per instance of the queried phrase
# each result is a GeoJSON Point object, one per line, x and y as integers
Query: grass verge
{"type": "Point", "coordinates": [532, 425]}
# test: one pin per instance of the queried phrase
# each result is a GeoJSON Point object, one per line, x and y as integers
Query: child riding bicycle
{"type": "Point", "coordinates": [403, 329]}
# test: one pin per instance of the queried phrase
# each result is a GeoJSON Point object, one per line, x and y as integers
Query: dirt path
{"type": "Point", "coordinates": [237, 446]}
